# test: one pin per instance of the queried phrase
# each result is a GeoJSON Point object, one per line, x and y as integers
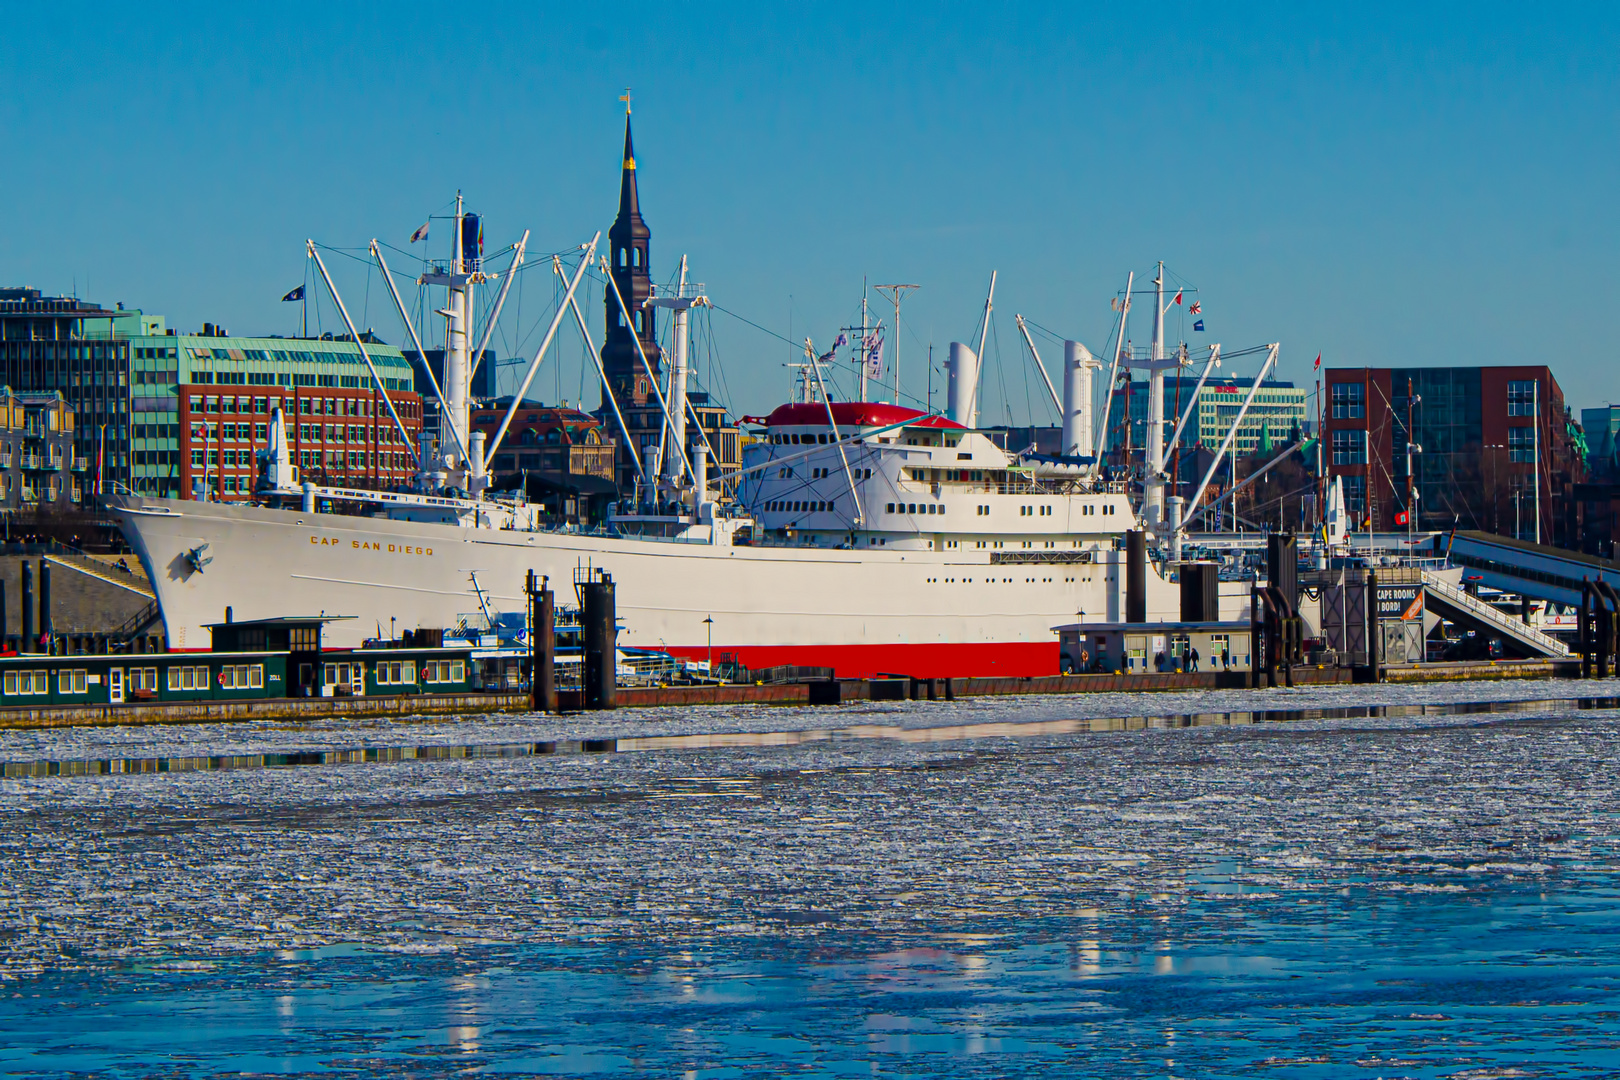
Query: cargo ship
{"type": "Point", "coordinates": [863, 536]}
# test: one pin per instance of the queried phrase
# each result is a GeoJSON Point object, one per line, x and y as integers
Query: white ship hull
{"type": "Point", "coordinates": [862, 612]}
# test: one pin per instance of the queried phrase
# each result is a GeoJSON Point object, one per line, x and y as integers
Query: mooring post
{"type": "Point", "coordinates": [601, 652]}
{"type": "Point", "coordinates": [27, 643]}
{"type": "Point", "coordinates": [47, 630]}
{"type": "Point", "coordinates": [1375, 628]}
{"type": "Point", "coordinates": [545, 656]}
{"type": "Point", "coordinates": [1256, 638]}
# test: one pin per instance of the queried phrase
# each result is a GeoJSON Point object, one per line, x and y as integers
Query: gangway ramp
{"type": "Point", "coordinates": [1459, 607]}
{"type": "Point", "coordinates": [1519, 566]}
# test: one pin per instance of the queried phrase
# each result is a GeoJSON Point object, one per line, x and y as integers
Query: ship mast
{"type": "Point", "coordinates": [685, 298]}
{"type": "Point", "coordinates": [896, 292]}
{"type": "Point", "coordinates": [1156, 364]}
{"type": "Point", "coordinates": [463, 472]}
{"type": "Point", "coordinates": [859, 343]}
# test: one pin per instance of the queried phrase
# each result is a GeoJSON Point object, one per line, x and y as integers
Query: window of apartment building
{"type": "Point", "coordinates": [1355, 495]}
{"type": "Point", "coordinates": [1349, 447]}
{"type": "Point", "coordinates": [1349, 401]}
{"type": "Point", "coordinates": [1522, 399]}
{"type": "Point", "coordinates": [1522, 444]}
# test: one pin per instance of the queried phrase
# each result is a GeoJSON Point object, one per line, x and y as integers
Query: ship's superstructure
{"type": "Point", "coordinates": [863, 536]}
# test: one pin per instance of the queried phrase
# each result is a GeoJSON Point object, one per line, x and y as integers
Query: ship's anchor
{"type": "Point", "coordinates": [197, 560]}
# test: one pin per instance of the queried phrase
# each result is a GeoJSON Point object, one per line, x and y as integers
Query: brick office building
{"type": "Point", "coordinates": [336, 436]}
{"type": "Point", "coordinates": [1485, 441]}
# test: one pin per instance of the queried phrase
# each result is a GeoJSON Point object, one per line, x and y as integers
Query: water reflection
{"type": "Point", "coordinates": [387, 755]}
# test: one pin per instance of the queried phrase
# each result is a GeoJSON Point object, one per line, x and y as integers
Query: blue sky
{"type": "Point", "coordinates": [1385, 185]}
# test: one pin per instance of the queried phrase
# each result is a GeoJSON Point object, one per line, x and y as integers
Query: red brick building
{"type": "Point", "coordinates": [336, 436]}
{"type": "Point", "coordinates": [1484, 441]}
{"type": "Point", "coordinates": [547, 439]}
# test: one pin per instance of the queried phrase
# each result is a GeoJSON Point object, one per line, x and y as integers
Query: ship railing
{"type": "Point", "coordinates": [689, 291]}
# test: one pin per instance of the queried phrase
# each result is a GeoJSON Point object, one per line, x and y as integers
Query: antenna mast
{"type": "Point", "coordinates": [896, 293]}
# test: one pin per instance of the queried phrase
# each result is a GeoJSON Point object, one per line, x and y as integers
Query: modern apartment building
{"type": "Point", "coordinates": [1488, 448]}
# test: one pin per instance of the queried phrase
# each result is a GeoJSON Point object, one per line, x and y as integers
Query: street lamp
{"type": "Point", "coordinates": [708, 624]}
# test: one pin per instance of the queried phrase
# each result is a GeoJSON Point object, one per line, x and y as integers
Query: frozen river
{"type": "Point", "coordinates": [1387, 884]}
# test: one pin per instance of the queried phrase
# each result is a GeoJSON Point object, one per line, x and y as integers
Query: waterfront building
{"type": "Point", "coordinates": [1601, 427]}
{"type": "Point", "coordinates": [564, 458]}
{"type": "Point", "coordinates": [340, 436]}
{"type": "Point", "coordinates": [1279, 413]}
{"type": "Point", "coordinates": [37, 464]}
{"type": "Point", "coordinates": [131, 382]}
{"type": "Point", "coordinates": [1485, 442]}
{"type": "Point", "coordinates": [546, 439]}
{"type": "Point", "coordinates": [629, 246]}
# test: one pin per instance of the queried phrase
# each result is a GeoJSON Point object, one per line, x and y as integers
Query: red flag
{"type": "Point", "coordinates": [1401, 518]}
{"type": "Point", "coordinates": [1196, 308]}
{"type": "Point", "coordinates": [1178, 296]}
{"type": "Point", "coordinates": [1318, 365]}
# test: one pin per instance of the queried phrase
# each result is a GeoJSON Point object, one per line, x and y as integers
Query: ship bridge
{"type": "Point", "coordinates": [884, 474]}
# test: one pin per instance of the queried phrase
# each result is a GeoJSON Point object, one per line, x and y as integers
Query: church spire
{"type": "Point", "coordinates": [629, 205]}
{"type": "Point", "coordinates": [629, 247]}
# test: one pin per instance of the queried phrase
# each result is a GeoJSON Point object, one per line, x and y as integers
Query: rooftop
{"type": "Point", "coordinates": [855, 414]}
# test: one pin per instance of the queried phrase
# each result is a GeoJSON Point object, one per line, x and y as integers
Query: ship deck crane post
{"type": "Point", "coordinates": [361, 345]}
{"type": "Point", "coordinates": [1101, 431]}
{"type": "Point", "coordinates": [680, 302]}
{"type": "Point", "coordinates": [596, 358]}
{"type": "Point", "coordinates": [539, 356]}
{"type": "Point", "coordinates": [1155, 364]}
{"type": "Point", "coordinates": [652, 378]}
{"type": "Point", "coordinates": [1226, 445]}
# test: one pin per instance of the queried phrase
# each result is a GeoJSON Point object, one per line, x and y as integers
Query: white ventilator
{"type": "Point", "coordinates": [1078, 366]}
{"type": "Point", "coordinates": [279, 471]}
{"type": "Point", "coordinates": [962, 370]}
{"type": "Point", "coordinates": [1336, 523]}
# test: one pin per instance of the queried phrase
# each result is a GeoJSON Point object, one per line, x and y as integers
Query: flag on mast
{"type": "Point", "coordinates": [1178, 296]}
{"type": "Point", "coordinates": [295, 294]}
{"type": "Point", "coordinates": [1199, 326]}
{"type": "Point", "coordinates": [1196, 308]}
{"type": "Point", "coordinates": [1318, 365]}
{"type": "Point", "coordinates": [422, 233]}
{"type": "Point", "coordinates": [872, 346]}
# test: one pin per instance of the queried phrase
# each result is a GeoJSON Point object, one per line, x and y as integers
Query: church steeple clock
{"type": "Point", "coordinates": [628, 251]}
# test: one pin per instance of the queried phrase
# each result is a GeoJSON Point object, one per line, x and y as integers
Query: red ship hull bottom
{"type": "Point", "coordinates": [930, 661]}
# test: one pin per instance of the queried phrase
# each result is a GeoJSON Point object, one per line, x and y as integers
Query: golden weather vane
{"type": "Point", "coordinates": [625, 97]}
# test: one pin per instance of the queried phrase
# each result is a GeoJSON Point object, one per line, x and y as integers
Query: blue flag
{"type": "Point", "coordinates": [296, 294]}
{"type": "Point", "coordinates": [1199, 326]}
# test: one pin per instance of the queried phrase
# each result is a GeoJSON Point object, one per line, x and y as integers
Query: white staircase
{"type": "Point", "coordinates": [1509, 627]}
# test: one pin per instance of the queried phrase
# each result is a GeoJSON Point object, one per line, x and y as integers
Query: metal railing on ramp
{"type": "Point", "coordinates": [1504, 624]}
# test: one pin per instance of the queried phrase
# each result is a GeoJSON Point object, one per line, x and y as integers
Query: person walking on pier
{"type": "Point", "coordinates": [1193, 656]}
